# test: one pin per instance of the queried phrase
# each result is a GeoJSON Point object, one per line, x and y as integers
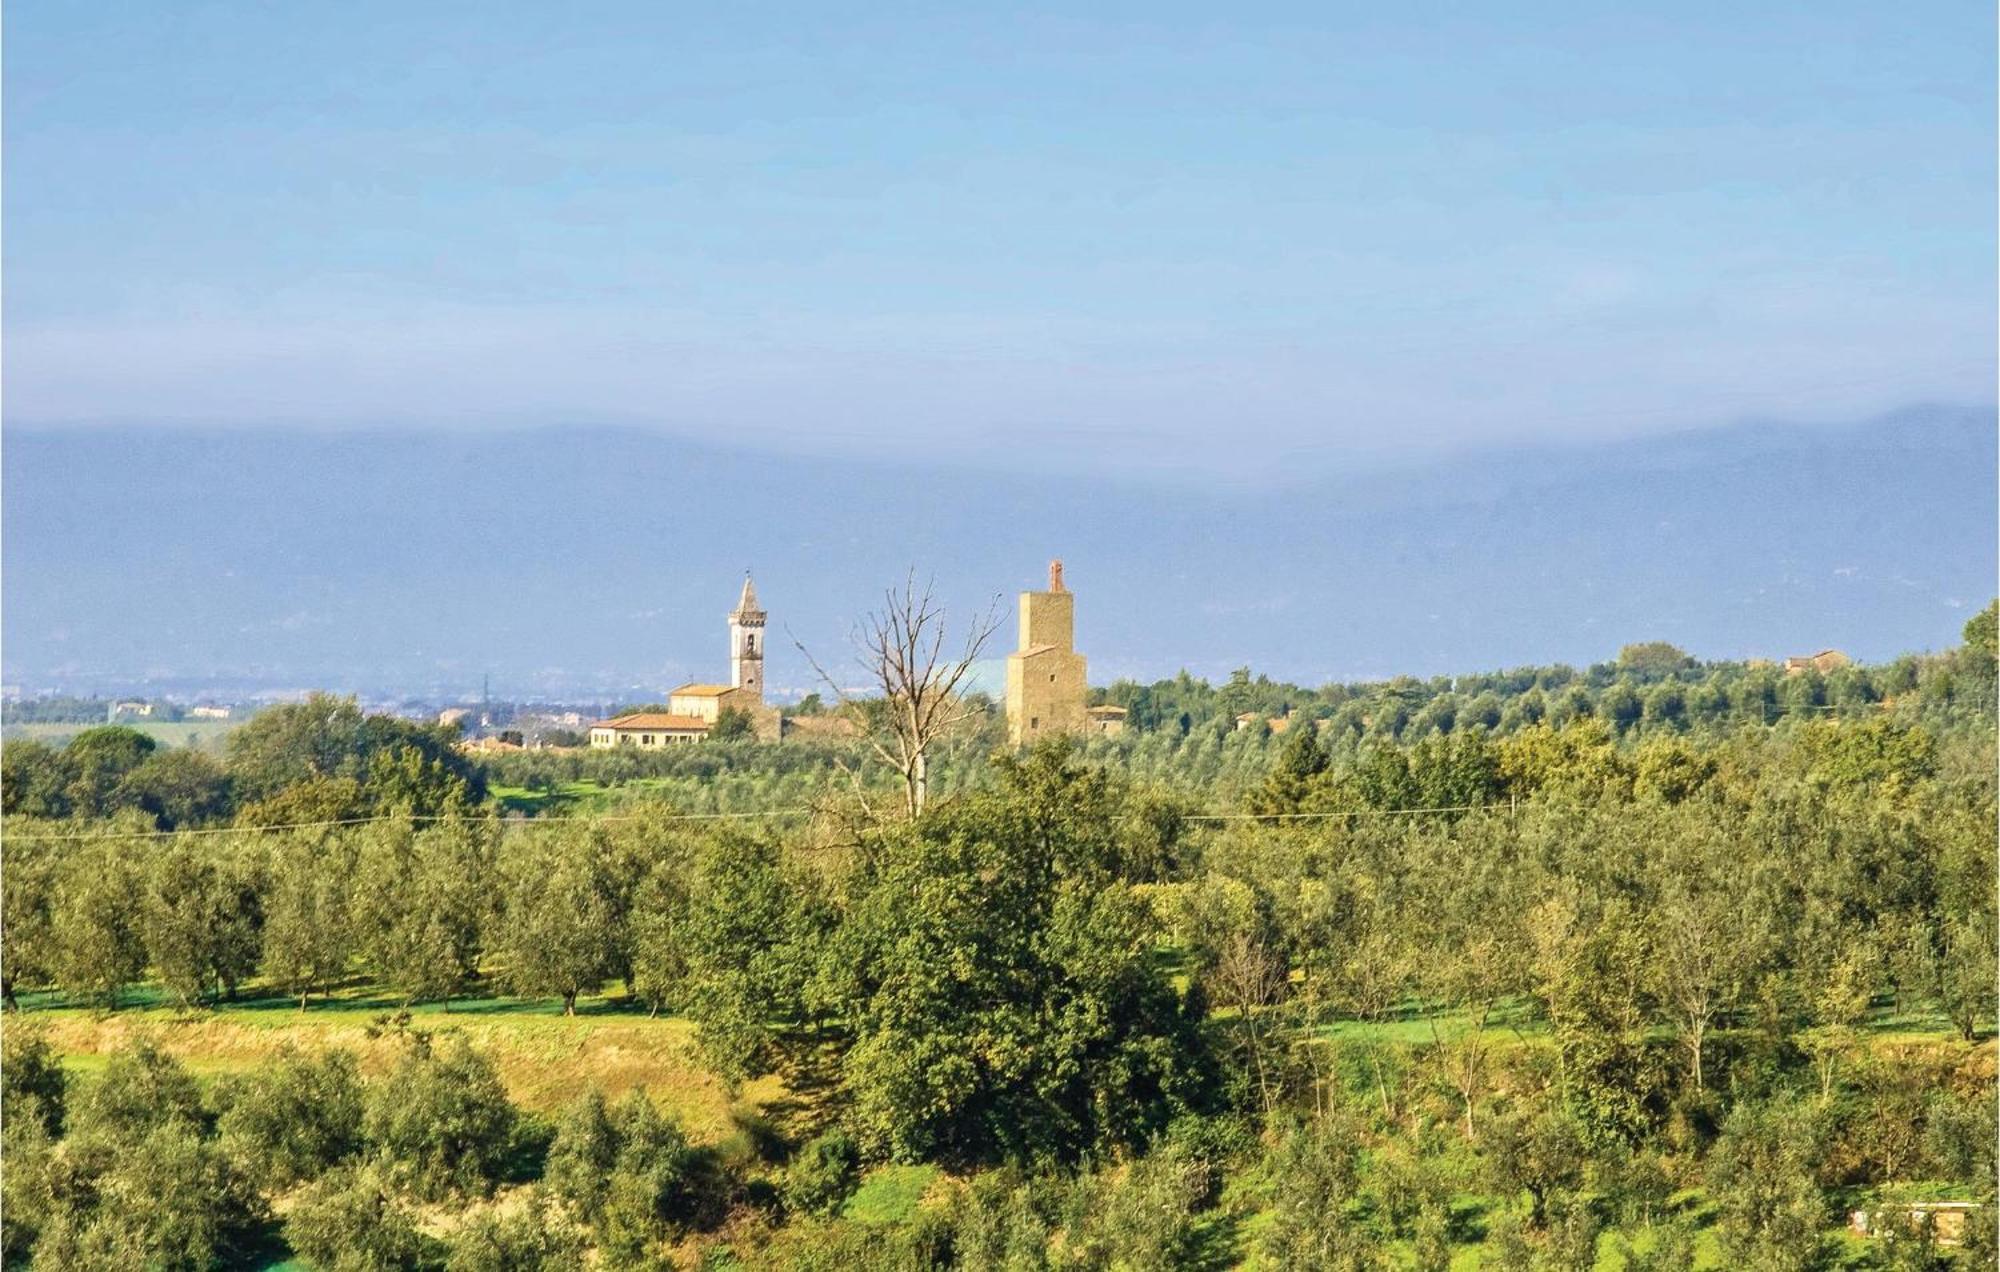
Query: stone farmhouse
{"type": "Point", "coordinates": [1106, 719]}
{"type": "Point", "coordinates": [1824, 661]}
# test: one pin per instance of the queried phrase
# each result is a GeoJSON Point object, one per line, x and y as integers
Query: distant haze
{"type": "Point", "coordinates": [1218, 243]}
{"type": "Point", "coordinates": [585, 561]}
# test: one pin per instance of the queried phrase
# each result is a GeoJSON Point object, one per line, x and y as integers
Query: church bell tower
{"type": "Point", "coordinates": [746, 643]}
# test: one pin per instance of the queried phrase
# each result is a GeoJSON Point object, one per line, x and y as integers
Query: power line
{"type": "Point", "coordinates": [516, 823]}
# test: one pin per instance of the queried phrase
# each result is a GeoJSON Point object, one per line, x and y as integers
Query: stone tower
{"type": "Point", "coordinates": [746, 643]}
{"type": "Point", "coordinates": [1045, 675]}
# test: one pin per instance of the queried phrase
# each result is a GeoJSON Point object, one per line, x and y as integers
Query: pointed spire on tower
{"type": "Point", "coordinates": [747, 603]}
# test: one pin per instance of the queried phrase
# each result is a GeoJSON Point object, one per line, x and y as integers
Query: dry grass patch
{"type": "Point", "coordinates": [544, 1060]}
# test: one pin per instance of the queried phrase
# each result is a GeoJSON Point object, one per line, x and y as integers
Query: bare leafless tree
{"type": "Point", "coordinates": [1250, 978]}
{"type": "Point", "coordinates": [904, 650]}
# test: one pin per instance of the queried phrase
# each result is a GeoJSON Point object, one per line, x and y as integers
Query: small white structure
{"type": "Point", "coordinates": [1946, 1219]}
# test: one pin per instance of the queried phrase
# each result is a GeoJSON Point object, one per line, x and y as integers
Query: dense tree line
{"type": "Point", "coordinates": [1697, 933]}
{"type": "Point", "coordinates": [1300, 996]}
{"type": "Point", "coordinates": [55, 709]}
{"type": "Point", "coordinates": [1190, 734]}
{"type": "Point", "coordinates": [318, 760]}
{"type": "Point", "coordinates": [1651, 686]}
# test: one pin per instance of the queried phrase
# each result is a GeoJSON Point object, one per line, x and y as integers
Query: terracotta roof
{"type": "Point", "coordinates": [1105, 710]}
{"type": "Point", "coordinates": [702, 691]}
{"type": "Point", "coordinates": [653, 720]}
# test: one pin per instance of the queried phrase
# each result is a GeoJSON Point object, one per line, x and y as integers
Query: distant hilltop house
{"type": "Point", "coordinates": [1046, 683]}
{"type": "Point", "coordinates": [693, 709]}
{"type": "Point", "coordinates": [454, 715]}
{"type": "Point", "coordinates": [1276, 723]}
{"type": "Point", "coordinates": [126, 710]}
{"type": "Point", "coordinates": [1105, 719]}
{"type": "Point", "coordinates": [1824, 661]}
{"type": "Point", "coordinates": [208, 713]}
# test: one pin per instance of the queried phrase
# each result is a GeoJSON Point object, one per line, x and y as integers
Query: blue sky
{"type": "Point", "coordinates": [1153, 238]}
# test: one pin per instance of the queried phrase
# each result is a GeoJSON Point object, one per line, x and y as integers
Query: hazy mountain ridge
{"type": "Point", "coordinates": [593, 558]}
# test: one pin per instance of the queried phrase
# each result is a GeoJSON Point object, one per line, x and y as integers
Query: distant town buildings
{"type": "Point", "coordinates": [693, 709]}
{"type": "Point", "coordinates": [1046, 685]}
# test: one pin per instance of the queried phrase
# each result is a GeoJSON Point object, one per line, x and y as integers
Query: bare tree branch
{"type": "Point", "coordinates": [902, 649]}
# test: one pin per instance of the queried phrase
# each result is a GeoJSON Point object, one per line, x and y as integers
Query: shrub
{"type": "Point", "coordinates": [293, 1121]}
{"type": "Point", "coordinates": [1141, 1216]}
{"type": "Point", "coordinates": [824, 1173]}
{"type": "Point", "coordinates": [529, 1240]}
{"type": "Point", "coordinates": [441, 1121]}
{"type": "Point", "coordinates": [141, 1088]}
{"type": "Point", "coordinates": [582, 1155]}
{"type": "Point", "coordinates": [137, 1182]}
{"type": "Point", "coordinates": [1771, 1211]}
{"type": "Point", "coordinates": [163, 1199]}
{"type": "Point", "coordinates": [350, 1222]}
{"type": "Point", "coordinates": [1000, 1220]}
{"type": "Point", "coordinates": [27, 1185]}
{"type": "Point", "coordinates": [1958, 1136]}
{"type": "Point", "coordinates": [1314, 1169]}
{"type": "Point", "coordinates": [1671, 1249]}
{"type": "Point", "coordinates": [658, 1184]}
{"type": "Point", "coordinates": [30, 1072]}
{"type": "Point", "coordinates": [628, 1172]}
